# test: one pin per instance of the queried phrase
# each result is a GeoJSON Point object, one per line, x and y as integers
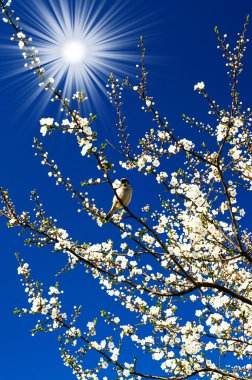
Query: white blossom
{"type": "Point", "coordinates": [199, 86]}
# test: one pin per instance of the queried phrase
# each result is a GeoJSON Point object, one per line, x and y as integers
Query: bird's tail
{"type": "Point", "coordinates": [109, 214]}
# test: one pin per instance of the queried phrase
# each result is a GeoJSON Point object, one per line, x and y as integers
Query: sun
{"type": "Point", "coordinates": [74, 51]}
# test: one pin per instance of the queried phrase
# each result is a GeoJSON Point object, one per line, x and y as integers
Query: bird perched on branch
{"type": "Point", "coordinates": [124, 193]}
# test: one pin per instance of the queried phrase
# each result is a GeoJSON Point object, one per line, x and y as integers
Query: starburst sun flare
{"type": "Point", "coordinates": [81, 42]}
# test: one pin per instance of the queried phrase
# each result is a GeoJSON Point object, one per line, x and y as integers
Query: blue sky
{"type": "Point", "coordinates": [181, 51]}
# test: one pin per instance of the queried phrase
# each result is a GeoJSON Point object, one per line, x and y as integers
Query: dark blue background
{"type": "Point", "coordinates": [182, 38]}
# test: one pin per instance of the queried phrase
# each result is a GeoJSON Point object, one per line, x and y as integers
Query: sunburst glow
{"type": "Point", "coordinates": [81, 42]}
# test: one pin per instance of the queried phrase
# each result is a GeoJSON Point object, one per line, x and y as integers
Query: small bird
{"type": "Point", "coordinates": [124, 192]}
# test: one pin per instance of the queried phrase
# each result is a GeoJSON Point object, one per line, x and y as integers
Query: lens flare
{"type": "Point", "coordinates": [80, 43]}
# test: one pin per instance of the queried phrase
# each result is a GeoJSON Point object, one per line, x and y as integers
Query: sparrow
{"type": "Point", "coordinates": [124, 192]}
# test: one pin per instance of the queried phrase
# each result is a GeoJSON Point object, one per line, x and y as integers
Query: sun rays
{"type": "Point", "coordinates": [80, 43]}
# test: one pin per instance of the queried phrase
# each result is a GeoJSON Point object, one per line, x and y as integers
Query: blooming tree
{"type": "Point", "coordinates": [193, 252]}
